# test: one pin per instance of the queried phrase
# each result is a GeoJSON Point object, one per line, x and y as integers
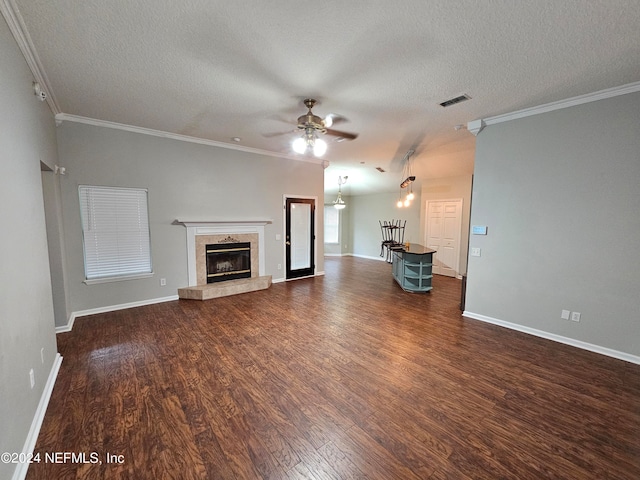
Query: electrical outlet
{"type": "Point", "coordinates": [163, 282]}
{"type": "Point", "coordinates": [279, 266]}
{"type": "Point", "coordinates": [475, 252]}
{"type": "Point", "coordinates": [575, 316]}
{"type": "Point", "coordinates": [32, 378]}
{"type": "Point", "coordinates": [565, 314]}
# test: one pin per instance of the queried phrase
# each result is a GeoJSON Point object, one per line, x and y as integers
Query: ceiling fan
{"type": "Point", "coordinates": [313, 126]}
{"type": "Point", "coordinates": [309, 120]}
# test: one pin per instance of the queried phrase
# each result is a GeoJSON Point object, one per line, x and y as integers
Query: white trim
{"type": "Point", "coordinates": [111, 308]}
{"type": "Point", "coordinates": [208, 223]}
{"type": "Point", "coordinates": [381, 259]}
{"type": "Point", "coordinates": [66, 117]}
{"type": "Point", "coordinates": [627, 357]}
{"type": "Point", "coordinates": [549, 107]}
{"type": "Point", "coordinates": [16, 24]}
{"type": "Point", "coordinates": [21, 469]}
{"type": "Point", "coordinates": [121, 278]}
{"type": "Point", "coordinates": [221, 227]}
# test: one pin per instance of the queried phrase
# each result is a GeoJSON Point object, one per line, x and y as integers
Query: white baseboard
{"type": "Point", "coordinates": [21, 470]}
{"type": "Point", "coordinates": [556, 338]}
{"type": "Point", "coordinates": [283, 279]}
{"type": "Point", "coordinates": [112, 308]}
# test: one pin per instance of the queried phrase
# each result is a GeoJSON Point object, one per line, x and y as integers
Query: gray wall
{"type": "Point", "coordinates": [560, 194]}
{"type": "Point", "coordinates": [368, 210]}
{"type": "Point", "coordinates": [344, 245]}
{"type": "Point", "coordinates": [27, 137]}
{"type": "Point", "coordinates": [185, 181]}
{"type": "Point", "coordinates": [56, 244]}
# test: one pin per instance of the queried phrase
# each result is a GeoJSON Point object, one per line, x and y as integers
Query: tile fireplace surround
{"type": "Point", "coordinates": [199, 234]}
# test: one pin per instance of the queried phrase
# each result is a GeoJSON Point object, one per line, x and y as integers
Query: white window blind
{"type": "Point", "coordinates": [331, 224]}
{"type": "Point", "coordinates": [115, 229]}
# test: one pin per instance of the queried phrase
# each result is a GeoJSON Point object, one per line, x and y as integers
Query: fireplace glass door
{"type": "Point", "coordinates": [228, 261]}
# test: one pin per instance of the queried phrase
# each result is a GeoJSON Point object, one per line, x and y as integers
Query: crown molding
{"type": "Point", "coordinates": [65, 117]}
{"type": "Point", "coordinates": [549, 107]}
{"type": "Point", "coordinates": [19, 31]}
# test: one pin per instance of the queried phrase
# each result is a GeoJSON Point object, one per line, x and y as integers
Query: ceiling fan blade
{"type": "Point", "coordinates": [278, 134]}
{"type": "Point", "coordinates": [334, 118]}
{"type": "Point", "coordinates": [281, 118]}
{"type": "Point", "coordinates": [339, 134]}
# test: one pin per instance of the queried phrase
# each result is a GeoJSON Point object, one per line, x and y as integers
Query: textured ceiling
{"type": "Point", "coordinates": [218, 69]}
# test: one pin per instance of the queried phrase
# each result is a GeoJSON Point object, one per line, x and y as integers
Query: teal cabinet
{"type": "Point", "coordinates": [412, 268]}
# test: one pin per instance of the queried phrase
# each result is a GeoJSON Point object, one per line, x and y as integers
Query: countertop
{"type": "Point", "coordinates": [414, 248]}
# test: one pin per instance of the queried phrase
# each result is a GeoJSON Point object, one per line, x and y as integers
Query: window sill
{"type": "Point", "coordinates": [95, 281]}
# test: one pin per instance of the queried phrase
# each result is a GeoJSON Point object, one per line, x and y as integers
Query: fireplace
{"type": "Point", "coordinates": [217, 236]}
{"type": "Point", "coordinates": [228, 261]}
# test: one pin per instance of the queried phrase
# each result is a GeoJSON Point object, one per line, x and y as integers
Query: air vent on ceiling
{"type": "Point", "coordinates": [381, 170]}
{"type": "Point", "coordinates": [453, 101]}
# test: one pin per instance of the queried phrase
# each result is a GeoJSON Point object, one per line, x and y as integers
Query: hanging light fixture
{"type": "Point", "coordinates": [309, 141]}
{"type": "Point", "coordinates": [408, 179]}
{"type": "Point", "coordinates": [339, 203]}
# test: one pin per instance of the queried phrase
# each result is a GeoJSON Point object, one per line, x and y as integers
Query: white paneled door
{"type": "Point", "coordinates": [444, 222]}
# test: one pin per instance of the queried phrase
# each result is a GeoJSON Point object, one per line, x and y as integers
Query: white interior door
{"type": "Point", "coordinates": [444, 222]}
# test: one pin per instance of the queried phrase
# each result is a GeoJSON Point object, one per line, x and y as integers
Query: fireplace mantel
{"type": "Point", "coordinates": [221, 227]}
{"type": "Point", "coordinates": [215, 223]}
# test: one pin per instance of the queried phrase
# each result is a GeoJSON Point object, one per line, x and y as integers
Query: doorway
{"type": "Point", "coordinates": [443, 232]}
{"type": "Point", "coordinates": [300, 237]}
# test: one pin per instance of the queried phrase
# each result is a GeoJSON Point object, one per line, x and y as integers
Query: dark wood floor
{"type": "Point", "coordinates": [343, 376]}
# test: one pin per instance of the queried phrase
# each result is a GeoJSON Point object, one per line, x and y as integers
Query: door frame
{"type": "Point", "coordinates": [459, 200]}
{"type": "Point", "coordinates": [285, 197]}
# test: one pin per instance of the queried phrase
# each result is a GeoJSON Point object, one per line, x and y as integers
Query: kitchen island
{"type": "Point", "coordinates": [412, 267]}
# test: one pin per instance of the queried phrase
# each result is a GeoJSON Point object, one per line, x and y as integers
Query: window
{"type": "Point", "coordinates": [115, 233]}
{"type": "Point", "coordinates": [331, 224]}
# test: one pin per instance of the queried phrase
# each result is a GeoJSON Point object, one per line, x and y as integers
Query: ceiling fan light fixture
{"type": "Point", "coordinates": [319, 147]}
{"type": "Point", "coordinates": [299, 145]}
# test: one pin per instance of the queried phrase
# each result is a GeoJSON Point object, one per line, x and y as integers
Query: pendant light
{"type": "Point", "coordinates": [408, 179]}
{"type": "Point", "coordinates": [339, 203]}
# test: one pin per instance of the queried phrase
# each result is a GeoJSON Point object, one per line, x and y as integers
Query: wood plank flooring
{"type": "Point", "coordinates": [337, 377]}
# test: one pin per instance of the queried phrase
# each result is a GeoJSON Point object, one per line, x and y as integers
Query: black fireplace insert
{"type": "Point", "coordinates": [228, 261]}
